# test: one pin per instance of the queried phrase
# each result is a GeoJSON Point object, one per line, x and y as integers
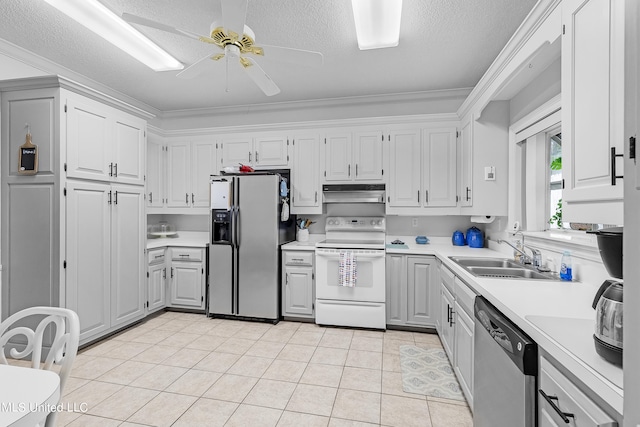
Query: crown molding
{"type": "Point", "coordinates": [531, 23]}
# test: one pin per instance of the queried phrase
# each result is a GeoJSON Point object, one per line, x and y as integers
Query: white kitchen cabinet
{"type": "Point", "coordinates": [305, 191]}
{"type": "Point", "coordinates": [105, 255]}
{"type": "Point", "coordinates": [592, 110]}
{"type": "Point", "coordinates": [155, 171]}
{"type": "Point", "coordinates": [353, 156]}
{"type": "Point", "coordinates": [464, 351]}
{"type": "Point", "coordinates": [404, 168]}
{"type": "Point", "coordinates": [156, 280]}
{"type": "Point", "coordinates": [189, 166]}
{"type": "Point", "coordinates": [439, 167]}
{"type": "Point", "coordinates": [103, 143]}
{"type": "Point", "coordinates": [298, 294]}
{"type": "Point", "coordinates": [187, 274]}
{"type": "Point", "coordinates": [465, 192]}
{"type": "Point", "coordinates": [411, 295]}
{"type": "Point", "coordinates": [259, 151]}
{"type": "Point", "coordinates": [564, 396]}
{"type": "Point", "coordinates": [127, 254]}
{"type": "Point", "coordinates": [447, 330]}
{"type": "Point", "coordinates": [422, 170]}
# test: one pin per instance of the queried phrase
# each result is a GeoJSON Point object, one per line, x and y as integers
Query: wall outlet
{"type": "Point", "coordinates": [414, 222]}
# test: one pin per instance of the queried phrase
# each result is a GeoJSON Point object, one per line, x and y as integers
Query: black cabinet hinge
{"type": "Point", "coordinates": [563, 28]}
{"type": "Point", "coordinates": [65, 108]}
{"type": "Point", "coordinates": [64, 192]}
{"type": "Point", "coordinates": [457, 134]}
{"type": "Point", "coordinates": [147, 274]}
{"type": "Point", "coordinates": [563, 183]}
{"type": "Point", "coordinates": [632, 147]}
{"type": "Point", "coordinates": [65, 167]}
{"type": "Point", "coordinates": [383, 172]}
{"type": "Point", "coordinates": [203, 271]}
{"type": "Point", "coordinates": [147, 304]}
{"type": "Point", "coordinates": [64, 264]}
{"type": "Point", "coordinates": [201, 298]}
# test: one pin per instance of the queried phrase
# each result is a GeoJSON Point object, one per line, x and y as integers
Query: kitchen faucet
{"type": "Point", "coordinates": [536, 256]}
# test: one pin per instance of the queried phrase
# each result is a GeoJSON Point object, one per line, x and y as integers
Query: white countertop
{"type": "Point", "coordinates": [196, 239]}
{"type": "Point", "coordinates": [304, 246]}
{"type": "Point", "coordinates": [542, 309]}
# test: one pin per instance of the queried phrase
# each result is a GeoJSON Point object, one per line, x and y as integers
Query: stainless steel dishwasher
{"type": "Point", "coordinates": [505, 371]}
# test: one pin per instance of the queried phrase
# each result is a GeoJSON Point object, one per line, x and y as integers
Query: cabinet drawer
{"type": "Point", "coordinates": [155, 256]}
{"type": "Point", "coordinates": [465, 296]}
{"type": "Point", "coordinates": [570, 400]}
{"type": "Point", "coordinates": [186, 254]}
{"type": "Point", "coordinates": [447, 278]}
{"type": "Point", "coordinates": [298, 258]}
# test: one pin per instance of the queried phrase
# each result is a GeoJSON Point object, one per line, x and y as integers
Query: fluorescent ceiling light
{"type": "Point", "coordinates": [102, 21]}
{"type": "Point", "coordinates": [377, 22]}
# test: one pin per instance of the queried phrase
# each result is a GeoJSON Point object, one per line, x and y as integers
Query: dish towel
{"type": "Point", "coordinates": [347, 269]}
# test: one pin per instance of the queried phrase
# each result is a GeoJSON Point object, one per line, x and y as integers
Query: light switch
{"type": "Point", "coordinates": [489, 173]}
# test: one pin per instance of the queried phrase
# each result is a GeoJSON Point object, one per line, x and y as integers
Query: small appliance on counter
{"type": "Point", "coordinates": [608, 299]}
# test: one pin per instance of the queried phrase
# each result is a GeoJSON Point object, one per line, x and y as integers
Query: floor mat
{"type": "Point", "coordinates": [428, 372]}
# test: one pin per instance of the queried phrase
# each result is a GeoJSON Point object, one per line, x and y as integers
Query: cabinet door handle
{"type": "Point", "coordinates": [249, 156]}
{"type": "Point", "coordinates": [356, 169]}
{"type": "Point", "coordinates": [109, 200]}
{"type": "Point", "coordinates": [316, 197]}
{"type": "Point", "coordinates": [172, 272]}
{"type": "Point", "coordinates": [115, 170]}
{"type": "Point", "coordinates": [151, 197]}
{"type": "Point", "coordinates": [183, 255]}
{"type": "Point", "coordinates": [186, 198]}
{"type": "Point", "coordinates": [286, 281]}
{"type": "Point", "coordinates": [426, 196]}
{"type": "Point", "coordinates": [614, 177]}
{"type": "Point", "coordinates": [158, 256]}
{"type": "Point", "coordinates": [468, 191]}
{"type": "Point", "coordinates": [164, 273]}
{"type": "Point", "coordinates": [257, 157]}
{"type": "Point", "coordinates": [418, 196]}
{"type": "Point", "coordinates": [110, 169]}
{"type": "Point", "coordinates": [550, 400]}
{"type": "Point", "coordinates": [115, 197]}
{"type": "Point", "coordinates": [349, 172]}
{"type": "Point", "coordinates": [448, 314]}
{"type": "Point", "coordinates": [193, 201]}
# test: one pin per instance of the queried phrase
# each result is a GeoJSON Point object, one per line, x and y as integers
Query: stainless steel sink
{"type": "Point", "coordinates": [499, 268]}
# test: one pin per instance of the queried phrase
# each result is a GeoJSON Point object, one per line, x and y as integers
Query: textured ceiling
{"type": "Point", "coordinates": [444, 44]}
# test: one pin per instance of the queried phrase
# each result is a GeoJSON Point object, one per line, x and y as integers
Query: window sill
{"type": "Point", "coordinates": [580, 244]}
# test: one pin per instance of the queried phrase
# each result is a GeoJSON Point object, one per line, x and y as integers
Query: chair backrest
{"type": "Point", "coordinates": [64, 346]}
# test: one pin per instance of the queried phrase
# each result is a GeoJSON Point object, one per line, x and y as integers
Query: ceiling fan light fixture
{"type": "Point", "coordinates": [102, 21]}
{"type": "Point", "coordinates": [377, 23]}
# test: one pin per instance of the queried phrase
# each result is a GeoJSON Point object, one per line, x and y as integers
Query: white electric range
{"type": "Point", "coordinates": [362, 240]}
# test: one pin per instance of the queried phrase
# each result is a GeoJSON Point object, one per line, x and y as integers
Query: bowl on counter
{"type": "Point", "coordinates": [422, 240]}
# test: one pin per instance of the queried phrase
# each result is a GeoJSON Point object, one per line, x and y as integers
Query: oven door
{"type": "Point", "coordinates": [371, 275]}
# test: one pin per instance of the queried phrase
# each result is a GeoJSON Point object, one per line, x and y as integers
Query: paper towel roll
{"type": "Point", "coordinates": [483, 219]}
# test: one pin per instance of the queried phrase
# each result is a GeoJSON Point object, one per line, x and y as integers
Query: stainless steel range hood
{"type": "Point", "coordinates": [353, 193]}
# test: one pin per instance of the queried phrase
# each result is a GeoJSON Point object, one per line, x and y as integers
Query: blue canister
{"type": "Point", "coordinates": [475, 238]}
{"type": "Point", "coordinates": [458, 238]}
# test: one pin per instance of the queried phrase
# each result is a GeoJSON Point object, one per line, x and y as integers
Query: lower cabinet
{"type": "Point", "coordinates": [156, 280]}
{"type": "Point", "coordinates": [411, 290]}
{"type": "Point", "coordinates": [298, 279]}
{"type": "Point", "coordinates": [187, 274]}
{"type": "Point", "coordinates": [456, 328]}
{"type": "Point", "coordinates": [561, 401]}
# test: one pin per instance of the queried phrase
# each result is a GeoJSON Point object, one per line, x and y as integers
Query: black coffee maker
{"type": "Point", "coordinates": [608, 299]}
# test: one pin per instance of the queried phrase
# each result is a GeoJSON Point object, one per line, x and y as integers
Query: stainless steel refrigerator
{"type": "Point", "coordinates": [246, 231]}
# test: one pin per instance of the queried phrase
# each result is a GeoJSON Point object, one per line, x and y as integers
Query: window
{"type": "Point", "coordinates": [554, 146]}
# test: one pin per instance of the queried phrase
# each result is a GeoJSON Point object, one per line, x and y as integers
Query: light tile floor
{"type": "Point", "coordinates": [183, 369]}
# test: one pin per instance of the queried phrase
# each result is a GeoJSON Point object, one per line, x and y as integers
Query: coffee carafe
{"type": "Point", "coordinates": [608, 300]}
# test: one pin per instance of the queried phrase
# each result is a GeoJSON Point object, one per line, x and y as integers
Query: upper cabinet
{"type": "Point", "coordinates": [422, 171]}
{"type": "Point", "coordinates": [592, 110]}
{"type": "Point", "coordinates": [104, 144]}
{"type": "Point", "coordinates": [353, 156]}
{"type": "Point", "coordinates": [155, 171]}
{"type": "Point", "coordinates": [305, 192]}
{"type": "Point", "coordinates": [189, 166]}
{"type": "Point", "coordinates": [258, 151]}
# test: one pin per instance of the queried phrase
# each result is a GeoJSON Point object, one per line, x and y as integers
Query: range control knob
{"type": "Point", "coordinates": [373, 222]}
{"type": "Point", "coordinates": [379, 222]}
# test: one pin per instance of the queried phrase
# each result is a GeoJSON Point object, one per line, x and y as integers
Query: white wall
{"type": "Point", "coordinates": [13, 69]}
{"type": "Point", "coordinates": [536, 93]}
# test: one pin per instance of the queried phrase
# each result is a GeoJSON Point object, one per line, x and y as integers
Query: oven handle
{"type": "Point", "coordinates": [332, 253]}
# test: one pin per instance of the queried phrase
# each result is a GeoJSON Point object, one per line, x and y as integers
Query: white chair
{"type": "Point", "coordinates": [64, 346]}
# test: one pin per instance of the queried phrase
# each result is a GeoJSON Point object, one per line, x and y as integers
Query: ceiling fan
{"type": "Point", "coordinates": [237, 42]}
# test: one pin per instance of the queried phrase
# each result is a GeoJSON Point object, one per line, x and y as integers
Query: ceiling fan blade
{"type": "Point", "coordinates": [259, 77]}
{"type": "Point", "coordinates": [234, 13]}
{"type": "Point", "coordinates": [133, 19]}
{"type": "Point", "coordinates": [293, 56]}
{"type": "Point", "coordinates": [195, 69]}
